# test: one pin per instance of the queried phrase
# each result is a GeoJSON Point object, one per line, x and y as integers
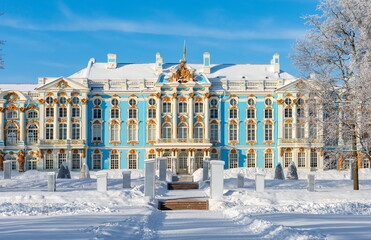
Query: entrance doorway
{"type": "Point", "coordinates": [183, 162]}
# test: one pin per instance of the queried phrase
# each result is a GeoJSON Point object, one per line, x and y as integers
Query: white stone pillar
{"type": "Point", "coordinates": [69, 158]}
{"type": "Point", "coordinates": [101, 182]}
{"type": "Point", "coordinates": [22, 129]}
{"type": "Point", "coordinates": [51, 182]}
{"type": "Point", "coordinates": [55, 159]}
{"type": "Point", "coordinates": [174, 164]}
{"type": "Point", "coordinates": [149, 178]}
{"type": "Point", "coordinates": [158, 118]}
{"type": "Point", "coordinates": [190, 108]}
{"type": "Point", "coordinates": [69, 123]}
{"type": "Point", "coordinates": [1, 124]}
{"type": "Point", "coordinates": [175, 116]}
{"type": "Point", "coordinates": [56, 133]}
{"type": "Point", "coordinates": [84, 120]}
{"type": "Point", "coordinates": [7, 169]}
{"type": "Point", "coordinates": [126, 179]}
{"type": "Point", "coordinates": [206, 111]}
{"type": "Point", "coordinates": [162, 168]}
{"type": "Point", "coordinates": [192, 165]}
{"type": "Point", "coordinates": [310, 182]}
{"type": "Point", "coordinates": [294, 121]}
{"type": "Point", "coordinates": [41, 119]}
{"type": "Point", "coordinates": [216, 179]}
{"type": "Point", "coordinates": [240, 180]}
{"type": "Point", "coordinates": [259, 182]}
{"type": "Point", "coordinates": [205, 170]}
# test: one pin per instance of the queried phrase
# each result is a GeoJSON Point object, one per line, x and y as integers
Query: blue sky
{"type": "Point", "coordinates": [47, 38]}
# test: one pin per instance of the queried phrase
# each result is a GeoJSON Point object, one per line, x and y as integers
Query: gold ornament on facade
{"type": "Point", "coordinates": [61, 151]}
{"type": "Point", "coordinates": [63, 120]}
{"type": "Point", "coordinates": [33, 107]}
{"type": "Point", "coordinates": [49, 151]}
{"type": "Point", "coordinates": [251, 150]}
{"type": "Point", "coordinates": [281, 152]}
{"type": "Point", "coordinates": [115, 122]}
{"type": "Point", "coordinates": [75, 151]}
{"type": "Point", "coordinates": [251, 122]}
{"type": "Point", "coordinates": [96, 151]}
{"type": "Point", "coordinates": [183, 99]}
{"type": "Point", "coordinates": [69, 100]}
{"type": "Point", "coordinates": [199, 118]}
{"type": "Point", "coordinates": [268, 122]}
{"type": "Point", "coordinates": [75, 94]}
{"type": "Point", "coordinates": [199, 99]}
{"type": "Point", "coordinates": [84, 101]}
{"type": "Point", "coordinates": [268, 142]}
{"type": "Point", "coordinates": [83, 153]}
{"type": "Point", "coordinates": [49, 94]}
{"type": "Point", "coordinates": [175, 95]}
{"type": "Point", "coordinates": [191, 95]}
{"type": "Point", "coordinates": [295, 101]}
{"type": "Point", "coordinates": [12, 97]}
{"type": "Point", "coordinates": [132, 151]}
{"type": "Point", "coordinates": [55, 101]}
{"type": "Point", "coordinates": [288, 95]}
{"type": "Point", "coordinates": [301, 149]}
{"type": "Point", "coordinates": [233, 142]}
{"type": "Point", "coordinates": [63, 94]}
{"type": "Point", "coordinates": [280, 101]}
{"type": "Point", "coordinates": [62, 84]}
{"type": "Point", "coordinates": [183, 119]}
{"type": "Point", "coordinates": [182, 75]}
{"type": "Point", "coordinates": [118, 142]}
{"type": "Point", "coordinates": [167, 99]}
{"type": "Point", "coordinates": [251, 142]}
{"type": "Point", "coordinates": [152, 122]}
{"type": "Point", "coordinates": [268, 150]}
{"type": "Point", "coordinates": [288, 150]}
{"type": "Point", "coordinates": [207, 95]}
{"type": "Point", "coordinates": [158, 95]}
{"type": "Point", "coordinates": [167, 119]}
{"type": "Point", "coordinates": [11, 107]}
{"type": "Point", "coordinates": [2, 109]}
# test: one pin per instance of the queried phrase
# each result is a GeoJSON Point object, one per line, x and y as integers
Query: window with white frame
{"type": "Point", "coordinates": [13, 161]}
{"type": "Point", "coordinates": [76, 131]}
{"type": "Point", "coordinates": [199, 107]}
{"type": "Point", "coordinates": [268, 160]}
{"type": "Point", "coordinates": [115, 113]}
{"type": "Point", "coordinates": [115, 102]}
{"type": "Point", "coordinates": [97, 132]}
{"type": "Point", "coordinates": [166, 107]}
{"type": "Point", "coordinates": [166, 131]}
{"type": "Point", "coordinates": [75, 112]}
{"type": "Point", "coordinates": [214, 132]}
{"type": "Point", "coordinates": [132, 133]}
{"type": "Point", "coordinates": [31, 162]}
{"type": "Point", "coordinates": [250, 160]}
{"type": "Point", "coordinates": [75, 100]}
{"type": "Point", "coordinates": [62, 112]}
{"type": "Point", "coordinates": [62, 157]}
{"type": "Point", "coordinates": [214, 155]}
{"type": "Point", "coordinates": [251, 131]}
{"type": "Point", "coordinates": [133, 113]}
{"type": "Point", "coordinates": [182, 131]}
{"type": "Point", "coordinates": [287, 131]}
{"type": "Point", "coordinates": [288, 101]}
{"type": "Point", "coordinates": [268, 132]}
{"type": "Point", "coordinates": [300, 130]}
{"type": "Point", "coordinates": [366, 163]}
{"type": "Point", "coordinates": [167, 154]}
{"type": "Point", "coordinates": [49, 100]}
{"type": "Point", "coordinates": [97, 113]}
{"type": "Point", "coordinates": [11, 134]}
{"type": "Point", "coordinates": [182, 107]}
{"type": "Point", "coordinates": [49, 162]}
{"type": "Point", "coordinates": [151, 113]}
{"type": "Point", "coordinates": [32, 114]}
{"type": "Point", "coordinates": [97, 161]}
{"type": "Point", "coordinates": [132, 102]}
{"type": "Point", "coordinates": [32, 134]}
{"type": "Point", "coordinates": [151, 132]}
{"type": "Point", "coordinates": [268, 113]}
{"type": "Point", "coordinates": [288, 113]}
{"type": "Point", "coordinates": [214, 113]}
{"type": "Point", "coordinates": [251, 113]}
{"type": "Point", "coordinates": [268, 102]}
{"type": "Point", "coordinates": [233, 102]}
{"type": "Point", "coordinates": [133, 161]}
{"type": "Point", "coordinates": [199, 159]}
{"type": "Point", "coordinates": [49, 112]}
{"type": "Point", "coordinates": [114, 161]}
{"type": "Point", "coordinates": [11, 114]}
{"type": "Point", "coordinates": [62, 100]}
{"type": "Point", "coordinates": [97, 102]}
{"type": "Point", "coordinates": [233, 113]}
{"type": "Point", "coordinates": [301, 159]}
{"type": "Point", "coordinates": [115, 133]}
{"type": "Point", "coordinates": [287, 158]}
{"type": "Point", "coordinates": [152, 101]}
{"type": "Point", "coordinates": [62, 131]}
{"type": "Point", "coordinates": [313, 159]}
{"type": "Point", "coordinates": [76, 161]}
{"type": "Point", "coordinates": [233, 132]}
{"type": "Point", "coordinates": [233, 159]}
{"type": "Point", "coordinates": [300, 112]}
{"type": "Point", "coordinates": [198, 131]}
{"type": "Point", "coordinates": [49, 131]}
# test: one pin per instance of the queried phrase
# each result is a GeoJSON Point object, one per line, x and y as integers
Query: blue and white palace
{"type": "Point", "coordinates": [113, 115]}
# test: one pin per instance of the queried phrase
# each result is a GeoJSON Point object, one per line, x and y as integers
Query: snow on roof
{"type": "Point", "coordinates": [18, 87]}
{"type": "Point", "coordinates": [136, 71]}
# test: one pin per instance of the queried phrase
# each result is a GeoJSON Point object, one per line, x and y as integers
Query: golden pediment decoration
{"type": "Point", "coordinates": [96, 151]}
{"type": "Point", "coordinates": [183, 119]}
{"type": "Point", "coordinates": [199, 118]}
{"type": "Point", "coordinates": [234, 96]}
{"type": "Point", "coordinates": [115, 122]}
{"type": "Point", "coordinates": [96, 122]}
{"type": "Point", "coordinates": [214, 122]}
{"type": "Point", "coordinates": [32, 107]}
{"type": "Point", "coordinates": [251, 107]}
{"type": "Point", "coordinates": [49, 151]}
{"type": "Point", "coordinates": [63, 121]}
{"type": "Point", "coordinates": [84, 101]}
{"type": "Point", "coordinates": [199, 99]}
{"type": "Point", "coordinates": [288, 150]}
{"type": "Point", "coordinates": [251, 122]}
{"type": "Point", "coordinates": [130, 122]}
{"type": "Point", "coordinates": [75, 94]}
{"type": "Point", "coordinates": [49, 120]}
{"type": "Point", "coordinates": [268, 150]}
{"type": "Point", "coordinates": [233, 151]}
{"type": "Point", "coordinates": [167, 119]}
{"type": "Point", "coordinates": [233, 143]}
{"type": "Point", "coordinates": [167, 99]}
{"type": "Point", "coordinates": [183, 74]}
{"type": "Point", "coordinates": [252, 95]}
{"type": "Point", "coordinates": [268, 95]}
{"type": "Point", "coordinates": [152, 151]}
{"type": "Point", "coordinates": [62, 84]}
{"type": "Point", "coordinates": [114, 151]}
{"type": "Point", "coordinates": [295, 101]}
{"type": "Point", "coordinates": [32, 122]}
{"type": "Point", "coordinates": [41, 101]}
{"type": "Point", "coordinates": [301, 149]}
{"type": "Point", "coordinates": [251, 142]}
{"type": "Point", "coordinates": [288, 95]}
{"type": "Point", "coordinates": [151, 122]}
{"type": "Point", "coordinates": [115, 95]}
{"type": "Point", "coordinates": [191, 95]}
{"type": "Point", "coordinates": [49, 94]}
{"type": "Point", "coordinates": [75, 121]}
{"type": "Point", "coordinates": [61, 151]}
{"type": "Point", "coordinates": [288, 121]}
{"type": "Point", "coordinates": [268, 122]}
{"type": "Point", "coordinates": [63, 94]}
{"type": "Point", "coordinates": [132, 151]}
{"type": "Point", "coordinates": [232, 122]}
{"type": "Point", "coordinates": [12, 97]}
{"type": "Point", "coordinates": [251, 150]}
{"type": "Point", "coordinates": [12, 107]}
{"type": "Point", "coordinates": [133, 95]}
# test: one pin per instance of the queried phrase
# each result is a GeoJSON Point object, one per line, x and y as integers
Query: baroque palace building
{"type": "Point", "coordinates": [115, 115]}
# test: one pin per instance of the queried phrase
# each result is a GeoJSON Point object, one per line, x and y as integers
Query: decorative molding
{"type": "Point", "coordinates": [251, 142]}
{"type": "Point", "coordinates": [2, 109]}
{"type": "Point", "coordinates": [84, 101]}
{"type": "Point", "coordinates": [49, 120]}
{"type": "Point", "coordinates": [175, 95]}
{"type": "Point", "coordinates": [11, 107]}
{"type": "Point", "coordinates": [32, 107]}
{"type": "Point", "coordinates": [49, 94]}
{"type": "Point", "coordinates": [55, 100]}
{"type": "Point", "coordinates": [69, 100]}
{"type": "Point", "coordinates": [12, 97]}
{"type": "Point", "coordinates": [191, 95]}
{"type": "Point", "coordinates": [268, 142]}
{"type": "Point", "coordinates": [301, 149]}
{"type": "Point", "coordinates": [280, 101]}
{"type": "Point", "coordinates": [62, 84]}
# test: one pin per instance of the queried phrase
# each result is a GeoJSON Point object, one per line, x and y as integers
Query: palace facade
{"type": "Point", "coordinates": [113, 115]}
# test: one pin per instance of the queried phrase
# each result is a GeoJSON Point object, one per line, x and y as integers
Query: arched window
{"type": "Point", "coordinates": [287, 131]}
{"type": "Point", "coordinates": [97, 160]}
{"type": "Point", "coordinates": [76, 132]}
{"type": "Point", "coordinates": [31, 162]}
{"type": "Point", "coordinates": [250, 159]}
{"type": "Point", "coordinates": [76, 161]}
{"type": "Point", "coordinates": [214, 132]}
{"type": "Point", "coordinates": [182, 131]}
{"type": "Point", "coordinates": [198, 131]}
{"type": "Point", "coordinates": [115, 133]}
{"type": "Point", "coordinates": [151, 132]}
{"type": "Point", "coordinates": [97, 132]}
{"type": "Point", "coordinates": [233, 159]}
{"type": "Point", "coordinates": [49, 161]}
{"type": "Point", "coordinates": [75, 112]}
{"type": "Point", "coordinates": [32, 134]}
{"type": "Point", "coordinates": [251, 130]}
{"type": "Point", "coordinates": [11, 114]}
{"type": "Point", "coordinates": [268, 160]}
{"type": "Point", "coordinates": [287, 159]}
{"type": "Point", "coordinates": [232, 132]}
{"type": "Point", "coordinates": [13, 160]}
{"type": "Point", "coordinates": [132, 132]}
{"type": "Point", "coordinates": [313, 159]}
{"type": "Point", "coordinates": [12, 134]}
{"type": "Point", "coordinates": [133, 160]}
{"type": "Point", "coordinates": [133, 113]}
{"type": "Point", "coordinates": [62, 131]}
{"type": "Point", "coordinates": [301, 159]}
{"type": "Point", "coordinates": [166, 131]}
{"type": "Point", "coordinates": [32, 114]}
{"type": "Point", "coordinates": [115, 161]}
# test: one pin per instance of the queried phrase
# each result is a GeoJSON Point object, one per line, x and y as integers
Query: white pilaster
{"type": "Point", "coordinates": [206, 111]}
{"type": "Point", "coordinates": [22, 123]}
{"type": "Point", "coordinates": [190, 108]}
{"type": "Point", "coordinates": [69, 123]}
{"type": "Point", "coordinates": [175, 116]}
{"type": "Point", "coordinates": [55, 136]}
{"type": "Point", "coordinates": [158, 118]}
{"type": "Point", "coordinates": [84, 121]}
{"type": "Point", "coordinates": [41, 120]}
{"type": "Point", "coordinates": [294, 120]}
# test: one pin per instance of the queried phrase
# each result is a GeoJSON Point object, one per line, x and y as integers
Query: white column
{"type": "Point", "coordinates": [69, 123]}
{"type": "Point", "coordinates": [206, 109]}
{"type": "Point", "coordinates": [190, 108]}
{"type": "Point", "coordinates": [55, 136]}
{"type": "Point", "coordinates": [41, 119]}
{"type": "Point", "coordinates": [175, 116]}
{"type": "Point", "coordinates": [294, 120]}
{"type": "Point", "coordinates": [158, 118]}
{"type": "Point", "coordinates": [280, 120]}
{"type": "Point", "coordinates": [22, 123]}
{"type": "Point", "coordinates": [2, 124]}
{"type": "Point", "coordinates": [69, 159]}
{"type": "Point", "coordinates": [55, 158]}
{"type": "Point", "coordinates": [216, 179]}
{"type": "Point", "coordinates": [84, 120]}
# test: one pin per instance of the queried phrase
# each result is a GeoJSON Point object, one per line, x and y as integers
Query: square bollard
{"type": "Point", "coordinates": [205, 170]}
{"type": "Point", "coordinates": [149, 178]}
{"type": "Point", "coordinates": [126, 179]}
{"type": "Point", "coordinates": [310, 182]}
{"type": "Point", "coordinates": [216, 179]}
{"type": "Point", "coordinates": [240, 180]}
{"type": "Point", "coordinates": [102, 182]}
{"type": "Point", "coordinates": [173, 165]}
{"type": "Point", "coordinates": [7, 169]}
{"type": "Point", "coordinates": [259, 182]}
{"type": "Point", "coordinates": [162, 168]}
{"type": "Point", "coordinates": [52, 183]}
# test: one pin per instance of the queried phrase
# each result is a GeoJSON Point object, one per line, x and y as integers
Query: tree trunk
{"type": "Point", "coordinates": [355, 155]}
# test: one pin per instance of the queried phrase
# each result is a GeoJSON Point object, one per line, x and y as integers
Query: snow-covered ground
{"type": "Point", "coordinates": [286, 210]}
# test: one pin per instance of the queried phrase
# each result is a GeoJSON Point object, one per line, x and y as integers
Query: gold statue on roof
{"type": "Point", "coordinates": [183, 74]}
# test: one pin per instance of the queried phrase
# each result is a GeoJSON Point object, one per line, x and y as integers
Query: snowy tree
{"type": "Point", "coordinates": [336, 52]}
{"type": "Point", "coordinates": [292, 172]}
{"type": "Point", "coordinates": [278, 173]}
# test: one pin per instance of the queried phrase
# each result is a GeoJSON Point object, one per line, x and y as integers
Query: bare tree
{"type": "Point", "coordinates": [337, 51]}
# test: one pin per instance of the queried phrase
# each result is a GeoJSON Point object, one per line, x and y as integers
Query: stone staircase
{"type": "Point", "coordinates": [182, 185]}
{"type": "Point", "coordinates": [184, 204]}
